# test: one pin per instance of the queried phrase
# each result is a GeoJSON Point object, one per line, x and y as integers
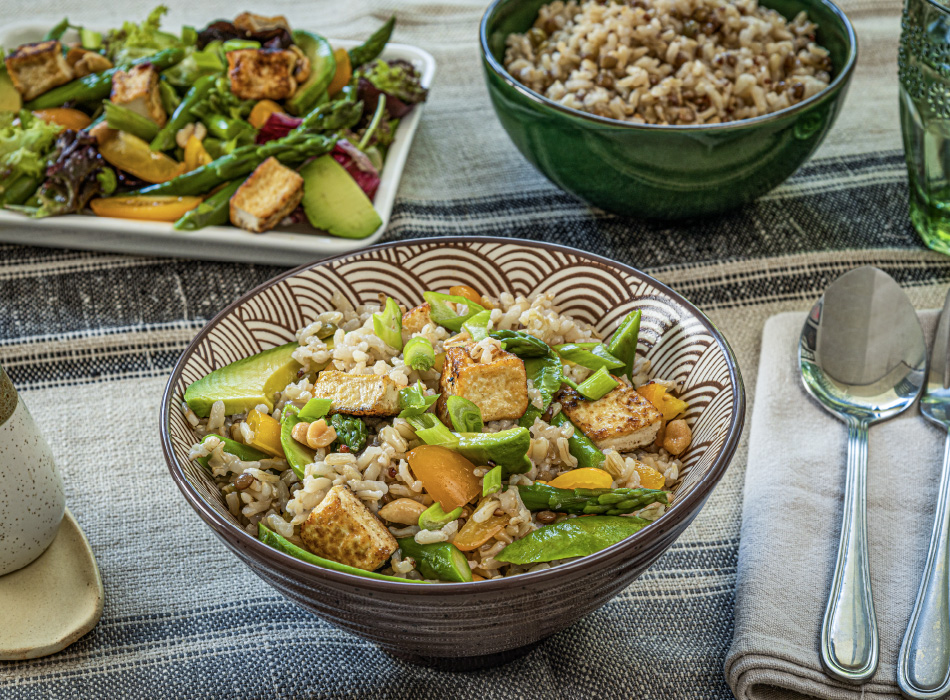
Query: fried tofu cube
{"type": "Point", "coordinates": [343, 529]}
{"type": "Point", "coordinates": [358, 394]}
{"type": "Point", "coordinates": [262, 74]}
{"type": "Point", "coordinates": [271, 193]}
{"type": "Point", "coordinates": [499, 388]}
{"type": "Point", "coordinates": [254, 24]}
{"type": "Point", "coordinates": [137, 89]}
{"type": "Point", "coordinates": [416, 318]}
{"type": "Point", "coordinates": [36, 68]}
{"type": "Point", "coordinates": [622, 420]}
{"type": "Point", "coordinates": [85, 62]}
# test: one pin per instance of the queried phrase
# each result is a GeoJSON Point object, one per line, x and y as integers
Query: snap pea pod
{"type": "Point", "coordinates": [124, 119]}
{"type": "Point", "coordinates": [441, 560]}
{"type": "Point", "coordinates": [434, 518]}
{"type": "Point", "coordinates": [581, 446]}
{"type": "Point", "coordinates": [506, 448]}
{"type": "Point", "coordinates": [574, 537]}
{"type": "Point", "coordinates": [298, 456]}
{"type": "Point", "coordinates": [590, 355]}
{"type": "Point", "coordinates": [272, 539]}
{"type": "Point", "coordinates": [546, 374]}
{"type": "Point", "coordinates": [57, 31]}
{"type": "Point", "coordinates": [97, 86]}
{"type": "Point", "coordinates": [521, 344]}
{"type": "Point", "coordinates": [623, 344]}
{"type": "Point", "coordinates": [165, 138]}
{"type": "Point", "coordinates": [373, 46]}
{"type": "Point", "coordinates": [239, 450]}
{"type": "Point", "coordinates": [588, 501]}
{"type": "Point", "coordinates": [214, 211]}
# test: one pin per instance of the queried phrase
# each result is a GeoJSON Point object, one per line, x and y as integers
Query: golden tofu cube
{"type": "Point", "coordinates": [137, 89]}
{"type": "Point", "coordinates": [85, 62]}
{"type": "Point", "coordinates": [499, 388]}
{"type": "Point", "coordinates": [36, 68]}
{"type": "Point", "coordinates": [358, 394]}
{"type": "Point", "coordinates": [252, 24]}
{"type": "Point", "coordinates": [271, 193]}
{"type": "Point", "coordinates": [341, 528]}
{"type": "Point", "coordinates": [622, 420]}
{"type": "Point", "coordinates": [416, 318]}
{"type": "Point", "coordinates": [262, 74]}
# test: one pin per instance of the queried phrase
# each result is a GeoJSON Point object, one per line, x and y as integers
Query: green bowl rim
{"type": "Point", "coordinates": [840, 80]}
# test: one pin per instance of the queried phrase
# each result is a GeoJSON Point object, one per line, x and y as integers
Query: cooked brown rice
{"type": "Point", "coordinates": [669, 61]}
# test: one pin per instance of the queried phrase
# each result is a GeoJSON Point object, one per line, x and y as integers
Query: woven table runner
{"type": "Point", "coordinates": [90, 339]}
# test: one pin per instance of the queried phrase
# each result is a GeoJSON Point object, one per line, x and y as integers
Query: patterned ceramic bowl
{"type": "Point", "coordinates": [470, 624]}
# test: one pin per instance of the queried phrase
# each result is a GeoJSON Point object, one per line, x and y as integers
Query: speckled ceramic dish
{"type": "Point", "coordinates": [471, 624]}
{"type": "Point", "coordinates": [649, 170]}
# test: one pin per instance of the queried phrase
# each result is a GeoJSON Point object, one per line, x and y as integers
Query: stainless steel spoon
{"type": "Point", "coordinates": [923, 665]}
{"type": "Point", "coordinates": [862, 355]}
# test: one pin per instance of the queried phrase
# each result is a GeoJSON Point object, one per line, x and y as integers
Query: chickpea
{"type": "Point", "coordinates": [677, 437]}
{"type": "Point", "coordinates": [403, 511]}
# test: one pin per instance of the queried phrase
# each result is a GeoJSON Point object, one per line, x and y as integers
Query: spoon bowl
{"type": "Point", "coordinates": [863, 357]}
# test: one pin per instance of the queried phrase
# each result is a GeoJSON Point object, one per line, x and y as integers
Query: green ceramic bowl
{"type": "Point", "coordinates": [658, 171]}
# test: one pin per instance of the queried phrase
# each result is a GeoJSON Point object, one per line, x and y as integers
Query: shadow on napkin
{"type": "Point", "coordinates": [791, 520]}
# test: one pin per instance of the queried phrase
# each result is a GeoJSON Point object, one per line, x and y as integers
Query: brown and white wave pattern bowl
{"type": "Point", "coordinates": [466, 625]}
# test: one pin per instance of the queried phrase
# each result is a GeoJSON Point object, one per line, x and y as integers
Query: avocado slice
{"type": "Point", "coordinates": [10, 100]}
{"type": "Point", "coordinates": [322, 69]}
{"type": "Point", "coordinates": [243, 452]}
{"type": "Point", "coordinates": [298, 456]}
{"type": "Point", "coordinates": [334, 202]}
{"type": "Point", "coordinates": [244, 384]}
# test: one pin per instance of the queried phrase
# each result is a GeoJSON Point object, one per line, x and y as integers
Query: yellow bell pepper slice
{"type": "Point", "coordinates": [650, 478]}
{"type": "Point", "coordinates": [65, 117]}
{"type": "Point", "coordinates": [586, 478]}
{"type": "Point", "coordinates": [195, 154]}
{"type": "Point", "coordinates": [132, 154]}
{"type": "Point", "coordinates": [344, 71]}
{"type": "Point", "coordinates": [154, 208]}
{"type": "Point", "coordinates": [659, 396]}
{"type": "Point", "coordinates": [262, 111]}
{"type": "Point", "coordinates": [473, 535]}
{"type": "Point", "coordinates": [266, 433]}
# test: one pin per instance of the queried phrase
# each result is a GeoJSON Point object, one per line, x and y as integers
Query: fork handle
{"type": "Point", "coordinates": [849, 639]}
{"type": "Point", "coordinates": [923, 666]}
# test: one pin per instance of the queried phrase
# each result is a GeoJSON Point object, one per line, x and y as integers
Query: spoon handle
{"type": "Point", "coordinates": [849, 640]}
{"type": "Point", "coordinates": [923, 665]}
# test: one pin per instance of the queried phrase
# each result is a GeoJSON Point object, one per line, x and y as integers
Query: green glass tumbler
{"type": "Point", "coordinates": [924, 68]}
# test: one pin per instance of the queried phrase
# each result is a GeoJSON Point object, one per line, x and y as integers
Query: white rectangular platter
{"type": "Point", "coordinates": [288, 246]}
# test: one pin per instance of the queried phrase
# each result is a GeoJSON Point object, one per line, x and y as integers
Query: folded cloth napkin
{"type": "Point", "coordinates": [791, 520]}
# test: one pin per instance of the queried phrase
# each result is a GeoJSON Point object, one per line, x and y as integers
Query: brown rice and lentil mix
{"type": "Point", "coordinates": [269, 492]}
{"type": "Point", "coordinates": [670, 61]}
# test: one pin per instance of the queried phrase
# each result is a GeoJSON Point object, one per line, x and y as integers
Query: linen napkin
{"type": "Point", "coordinates": [791, 520]}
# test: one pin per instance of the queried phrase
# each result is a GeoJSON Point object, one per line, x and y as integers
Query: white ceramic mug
{"type": "Point", "coordinates": [31, 492]}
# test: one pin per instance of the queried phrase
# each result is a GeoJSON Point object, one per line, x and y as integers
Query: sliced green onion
{"type": "Point", "coordinates": [434, 518]}
{"type": "Point", "coordinates": [388, 324]}
{"type": "Point", "coordinates": [492, 481]}
{"type": "Point", "coordinates": [466, 416]}
{"type": "Point", "coordinates": [570, 382]}
{"type": "Point", "coordinates": [315, 409]}
{"type": "Point", "coordinates": [236, 44]}
{"type": "Point", "coordinates": [89, 39]}
{"type": "Point", "coordinates": [623, 344]}
{"type": "Point", "coordinates": [599, 384]}
{"type": "Point", "coordinates": [477, 325]}
{"type": "Point", "coordinates": [189, 35]}
{"type": "Point", "coordinates": [434, 431]}
{"type": "Point", "coordinates": [413, 401]}
{"type": "Point", "coordinates": [419, 354]}
{"type": "Point", "coordinates": [590, 355]}
{"type": "Point", "coordinates": [445, 315]}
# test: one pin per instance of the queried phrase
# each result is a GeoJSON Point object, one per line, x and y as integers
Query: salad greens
{"type": "Point", "coordinates": [180, 115]}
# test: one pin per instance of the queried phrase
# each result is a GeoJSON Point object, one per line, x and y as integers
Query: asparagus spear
{"type": "Point", "coordinates": [293, 148]}
{"type": "Point", "coordinates": [588, 501]}
{"type": "Point", "coordinates": [166, 137]}
{"type": "Point", "coordinates": [213, 211]}
{"type": "Point", "coordinates": [97, 86]}
{"type": "Point", "coordinates": [373, 46]}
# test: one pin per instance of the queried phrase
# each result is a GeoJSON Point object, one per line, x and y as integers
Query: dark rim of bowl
{"type": "Point", "coordinates": [843, 76]}
{"type": "Point", "coordinates": [235, 536]}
